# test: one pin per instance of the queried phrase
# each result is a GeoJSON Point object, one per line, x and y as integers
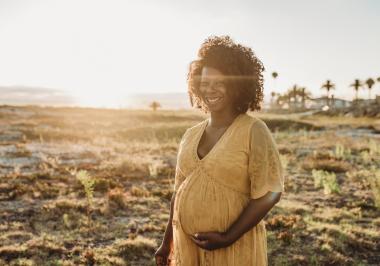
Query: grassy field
{"type": "Point", "coordinates": [89, 186]}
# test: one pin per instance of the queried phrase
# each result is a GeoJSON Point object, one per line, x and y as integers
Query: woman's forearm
{"type": "Point", "coordinates": [168, 236]}
{"type": "Point", "coordinates": [252, 214]}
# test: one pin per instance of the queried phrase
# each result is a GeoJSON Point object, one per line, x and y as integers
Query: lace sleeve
{"type": "Point", "coordinates": [265, 169]}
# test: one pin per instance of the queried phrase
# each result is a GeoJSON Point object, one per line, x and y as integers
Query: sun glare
{"type": "Point", "coordinates": [102, 99]}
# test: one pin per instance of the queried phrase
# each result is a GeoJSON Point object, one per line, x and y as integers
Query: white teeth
{"type": "Point", "coordinates": [213, 99]}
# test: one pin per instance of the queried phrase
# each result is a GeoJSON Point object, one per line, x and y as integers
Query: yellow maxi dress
{"type": "Point", "coordinates": [212, 192]}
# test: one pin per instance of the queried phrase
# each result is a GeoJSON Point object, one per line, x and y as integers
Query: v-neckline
{"type": "Point", "coordinates": [203, 129]}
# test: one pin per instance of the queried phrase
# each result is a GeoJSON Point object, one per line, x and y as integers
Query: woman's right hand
{"type": "Point", "coordinates": [162, 255]}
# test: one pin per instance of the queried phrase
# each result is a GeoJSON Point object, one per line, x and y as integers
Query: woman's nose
{"type": "Point", "coordinates": [212, 86]}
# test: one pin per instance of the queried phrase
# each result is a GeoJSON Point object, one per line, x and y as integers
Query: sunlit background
{"type": "Point", "coordinates": [127, 53]}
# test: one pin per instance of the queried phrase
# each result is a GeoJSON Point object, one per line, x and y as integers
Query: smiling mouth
{"type": "Point", "coordinates": [213, 100]}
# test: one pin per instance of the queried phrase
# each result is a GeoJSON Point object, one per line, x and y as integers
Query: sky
{"type": "Point", "coordinates": [102, 51]}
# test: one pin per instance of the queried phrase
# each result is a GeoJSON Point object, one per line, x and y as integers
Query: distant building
{"type": "Point", "coordinates": [340, 103]}
{"type": "Point", "coordinates": [366, 102]}
{"type": "Point", "coordinates": [319, 103]}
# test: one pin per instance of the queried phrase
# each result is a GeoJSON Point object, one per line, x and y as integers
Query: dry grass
{"type": "Point", "coordinates": [131, 157]}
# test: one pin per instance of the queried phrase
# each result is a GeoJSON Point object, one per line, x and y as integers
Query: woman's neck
{"type": "Point", "coordinates": [223, 118]}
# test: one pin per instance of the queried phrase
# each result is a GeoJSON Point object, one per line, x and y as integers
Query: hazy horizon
{"type": "Point", "coordinates": [21, 96]}
{"type": "Point", "coordinates": [109, 50]}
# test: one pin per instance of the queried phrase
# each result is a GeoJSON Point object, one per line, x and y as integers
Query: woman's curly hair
{"type": "Point", "coordinates": [243, 70]}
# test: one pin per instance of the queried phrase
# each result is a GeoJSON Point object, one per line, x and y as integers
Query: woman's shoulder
{"type": "Point", "coordinates": [252, 121]}
{"type": "Point", "coordinates": [254, 127]}
{"type": "Point", "coordinates": [195, 128]}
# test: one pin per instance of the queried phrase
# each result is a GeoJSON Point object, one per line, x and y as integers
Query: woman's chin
{"type": "Point", "coordinates": [215, 108]}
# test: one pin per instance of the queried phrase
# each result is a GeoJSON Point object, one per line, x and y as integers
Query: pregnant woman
{"type": "Point", "coordinates": [228, 173]}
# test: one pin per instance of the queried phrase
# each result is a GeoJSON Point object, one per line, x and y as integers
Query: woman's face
{"type": "Point", "coordinates": [213, 90]}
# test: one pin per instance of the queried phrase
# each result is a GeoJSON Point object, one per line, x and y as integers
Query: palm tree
{"type": "Point", "coordinates": [370, 82]}
{"type": "Point", "coordinates": [328, 86]}
{"type": "Point", "coordinates": [292, 96]}
{"type": "Point", "coordinates": [274, 75]}
{"type": "Point", "coordinates": [290, 101]}
{"type": "Point", "coordinates": [304, 95]}
{"type": "Point", "coordinates": [288, 97]}
{"type": "Point", "coordinates": [356, 85]}
{"type": "Point", "coordinates": [155, 105]}
{"type": "Point", "coordinates": [281, 99]}
{"type": "Point", "coordinates": [333, 100]}
{"type": "Point", "coordinates": [293, 93]}
{"type": "Point", "coordinates": [272, 94]}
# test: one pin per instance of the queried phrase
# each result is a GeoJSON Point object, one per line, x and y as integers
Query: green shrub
{"type": "Point", "coordinates": [341, 152]}
{"type": "Point", "coordinates": [326, 180]}
{"type": "Point", "coordinates": [374, 181]}
{"type": "Point", "coordinates": [88, 184]}
{"type": "Point", "coordinates": [374, 148]}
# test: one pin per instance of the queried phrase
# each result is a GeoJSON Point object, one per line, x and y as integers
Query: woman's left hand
{"type": "Point", "coordinates": [210, 240]}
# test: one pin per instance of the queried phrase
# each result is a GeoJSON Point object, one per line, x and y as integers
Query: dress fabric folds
{"type": "Point", "coordinates": [212, 192]}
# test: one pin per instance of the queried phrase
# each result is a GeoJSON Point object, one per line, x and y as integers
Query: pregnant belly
{"type": "Point", "coordinates": [204, 206]}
